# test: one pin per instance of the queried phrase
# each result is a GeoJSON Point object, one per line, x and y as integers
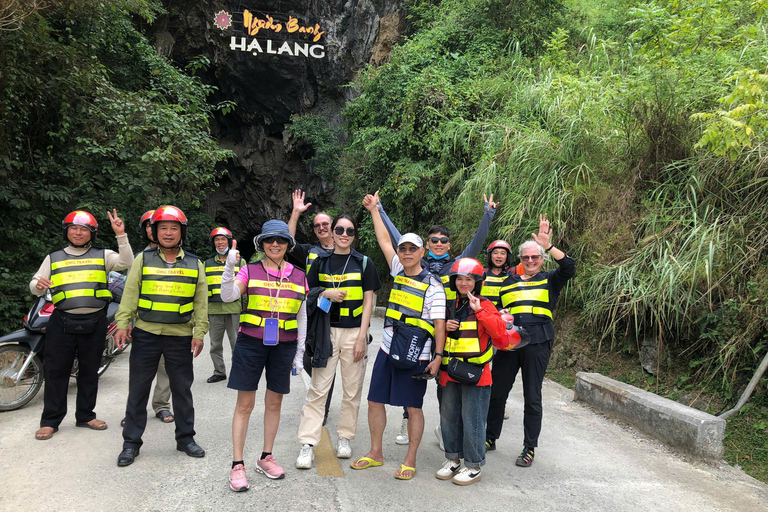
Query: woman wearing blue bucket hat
{"type": "Point", "coordinates": [271, 337]}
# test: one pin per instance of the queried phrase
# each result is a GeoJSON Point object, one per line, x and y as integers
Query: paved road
{"type": "Point", "coordinates": [584, 463]}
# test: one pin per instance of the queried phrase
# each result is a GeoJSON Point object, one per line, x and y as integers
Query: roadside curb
{"type": "Point", "coordinates": [682, 427]}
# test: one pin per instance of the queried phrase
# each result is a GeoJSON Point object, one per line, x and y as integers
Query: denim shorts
{"type": "Point", "coordinates": [394, 386]}
{"type": "Point", "coordinates": [251, 357]}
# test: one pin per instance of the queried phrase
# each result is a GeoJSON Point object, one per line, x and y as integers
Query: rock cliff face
{"type": "Point", "coordinates": [270, 82]}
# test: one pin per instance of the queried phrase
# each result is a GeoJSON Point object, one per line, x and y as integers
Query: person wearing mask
{"type": "Point", "coordinates": [222, 316]}
{"type": "Point", "coordinates": [465, 374]}
{"type": "Point", "coordinates": [77, 279]}
{"type": "Point", "coordinates": [415, 317]}
{"type": "Point", "coordinates": [438, 261]}
{"type": "Point", "coordinates": [166, 290]}
{"type": "Point", "coordinates": [302, 257]}
{"type": "Point", "coordinates": [499, 258]}
{"type": "Point", "coordinates": [271, 338]}
{"type": "Point", "coordinates": [531, 299]}
{"type": "Point", "coordinates": [348, 281]}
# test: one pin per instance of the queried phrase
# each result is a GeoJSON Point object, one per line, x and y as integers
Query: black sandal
{"type": "Point", "coordinates": [165, 416]}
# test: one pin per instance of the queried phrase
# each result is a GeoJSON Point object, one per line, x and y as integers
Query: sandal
{"type": "Point", "coordinates": [44, 436]}
{"type": "Point", "coordinates": [94, 424]}
{"type": "Point", "coordinates": [165, 416]}
{"type": "Point", "coordinates": [399, 475]}
{"type": "Point", "coordinates": [369, 463]}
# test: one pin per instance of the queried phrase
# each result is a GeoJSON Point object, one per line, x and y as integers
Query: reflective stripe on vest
{"type": "Point", "coordinates": [167, 293]}
{"type": "Point", "coordinates": [352, 282]}
{"type": "Point", "coordinates": [406, 301]}
{"type": "Point", "coordinates": [214, 269]}
{"type": "Point", "coordinates": [449, 294]}
{"type": "Point", "coordinates": [528, 301]}
{"type": "Point", "coordinates": [265, 302]}
{"type": "Point", "coordinates": [492, 288]}
{"type": "Point", "coordinates": [79, 281]}
{"type": "Point", "coordinates": [465, 343]}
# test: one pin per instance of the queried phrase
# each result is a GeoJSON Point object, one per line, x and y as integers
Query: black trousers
{"type": "Point", "coordinates": [308, 369]}
{"type": "Point", "coordinates": [146, 350]}
{"type": "Point", "coordinates": [60, 351]}
{"type": "Point", "coordinates": [533, 361]}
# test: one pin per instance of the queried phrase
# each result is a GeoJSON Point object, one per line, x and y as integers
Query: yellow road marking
{"type": "Point", "coordinates": [325, 457]}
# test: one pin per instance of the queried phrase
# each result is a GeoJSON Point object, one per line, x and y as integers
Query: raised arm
{"type": "Point", "coordinates": [382, 235]}
{"type": "Point", "coordinates": [298, 208]}
{"type": "Point", "coordinates": [478, 241]}
{"type": "Point", "coordinates": [394, 234]}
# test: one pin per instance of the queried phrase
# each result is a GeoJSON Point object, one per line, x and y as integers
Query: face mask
{"type": "Point", "coordinates": [225, 251]}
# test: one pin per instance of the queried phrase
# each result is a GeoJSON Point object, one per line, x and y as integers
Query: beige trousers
{"type": "Point", "coordinates": [161, 397]}
{"type": "Point", "coordinates": [352, 377]}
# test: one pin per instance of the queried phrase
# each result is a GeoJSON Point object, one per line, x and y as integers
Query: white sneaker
{"type": "Point", "coordinates": [343, 450]}
{"type": "Point", "coordinates": [439, 435]}
{"type": "Point", "coordinates": [402, 437]}
{"type": "Point", "coordinates": [306, 457]}
{"type": "Point", "coordinates": [449, 469]}
{"type": "Point", "coordinates": [467, 476]}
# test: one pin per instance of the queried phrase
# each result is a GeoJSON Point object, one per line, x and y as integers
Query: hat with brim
{"type": "Point", "coordinates": [411, 238]}
{"type": "Point", "coordinates": [274, 228]}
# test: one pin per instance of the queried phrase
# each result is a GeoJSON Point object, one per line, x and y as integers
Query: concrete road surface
{"type": "Point", "coordinates": [584, 462]}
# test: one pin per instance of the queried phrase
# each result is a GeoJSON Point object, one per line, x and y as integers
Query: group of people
{"type": "Point", "coordinates": [308, 307]}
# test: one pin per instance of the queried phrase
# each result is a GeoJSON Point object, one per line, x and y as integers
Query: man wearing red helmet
{"type": "Point", "coordinates": [222, 316]}
{"type": "Point", "coordinates": [471, 322]}
{"type": "Point", "coordinates": [499, 257]}
{"type": "Point", "coordinates": [167, 290]}
{"type": "Point", "coordinates": [77, 278]}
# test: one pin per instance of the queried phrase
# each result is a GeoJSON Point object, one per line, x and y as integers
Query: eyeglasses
{"type": "Point", "coordinates": [321, 225]}
{"type": "Point", "coordinates": [340, 231]}
{"type": "Point", "coordinates": [442, 240]}
{"type": "Point", "coordinates": [534, 257]}
{"type": "Point", "coordinates": [407, 248]}
{"type": "Point", "coordinates": [272, 239]}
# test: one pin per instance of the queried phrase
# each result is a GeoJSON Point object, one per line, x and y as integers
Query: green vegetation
{"type": "Point", "coordinates": [639, 127]}
{"type": "Point", "coordinates": [92, 117]}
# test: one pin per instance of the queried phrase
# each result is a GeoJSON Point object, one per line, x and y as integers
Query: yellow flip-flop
{"type": "Point", "coordinates": [369, 463]}
{"type": "Point", "coordinates": [403, 467]}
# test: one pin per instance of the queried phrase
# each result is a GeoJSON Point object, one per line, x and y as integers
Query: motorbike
{"type": "Point", "coordinates": [22, 356]}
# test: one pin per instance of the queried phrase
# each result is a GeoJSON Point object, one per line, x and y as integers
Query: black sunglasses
{"type": "Point", "coordinates": [272, 239]}
{"type": "Point", "coordinates": [340, 231]}
{"type": "Point", "coordinates": [407, 248]}
{"type": "Point", "coordinates": [318, 226]}
{"type": "Point", "coordinates": [442, 240]}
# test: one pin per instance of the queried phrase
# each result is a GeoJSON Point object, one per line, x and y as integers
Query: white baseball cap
{"type": "Point", "coordinates": [412, 238]}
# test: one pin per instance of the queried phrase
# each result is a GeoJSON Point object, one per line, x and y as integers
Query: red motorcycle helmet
{"type": "Point", "coordinates": [221, 232]}
{"type": "Point", "coordinates": [81, 218]}
{"type": "Point", "coordinates": [499, 244]}
{"type": "Point", "coordinates": [467, 267]}
{"type": "Point", "coordinates": [169, 214]}
{"type": "Point", "coordinates": [514, 337]}
{"type": "Point", "coordinates": [147, 217]}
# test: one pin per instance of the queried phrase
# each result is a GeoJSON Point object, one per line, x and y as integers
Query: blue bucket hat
{"type": "Point", "coordinates": [274, 228]}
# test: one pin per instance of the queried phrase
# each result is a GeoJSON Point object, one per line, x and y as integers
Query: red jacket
{"type": "Point", "coordinates": [489, 324]}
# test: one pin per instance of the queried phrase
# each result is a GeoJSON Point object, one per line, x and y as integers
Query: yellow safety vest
{"type": "Point", "coordinates": [406, 301]}
{"type": "Point", "coordinates": [167, 293]}
{"type": "Point", "coordinates": [79, 281]}
{"type": "Point", "coordinates": [352, 282]}
{"type": "Point", "coordinates": [214, 269]}
{"type": "Point", "coordinates": [527, 301]}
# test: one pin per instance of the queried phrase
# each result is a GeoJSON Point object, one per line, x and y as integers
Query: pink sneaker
{"type": "Point", "coordinates": [270, 468]}
{"type": "Point", "coordinates": [237, 480]}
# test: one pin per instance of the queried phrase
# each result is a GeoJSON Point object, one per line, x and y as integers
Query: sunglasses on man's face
{"type": "Point", "coordinates": [272, 239]}
{"type": "Point", "coordinates": [407, 248]}
{"type": "Point", "coordinates": [321, 225]}
{"type": "Point", "coordinates": [340, 231]}
{"type": "Point", "coordinates": [535, 257]}
{"type": "Point", "coordinates": [442, 240]}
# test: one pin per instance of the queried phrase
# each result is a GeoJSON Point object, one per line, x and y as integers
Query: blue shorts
{"type": "Point", "coordinates": [251, 356]}
{"type": "Point", "coordinates": [393, 386]}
